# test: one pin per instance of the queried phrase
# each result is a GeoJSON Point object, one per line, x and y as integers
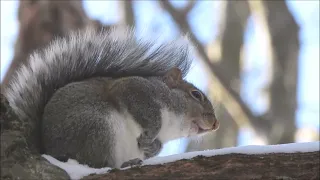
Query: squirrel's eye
{"type": "Point", "coordinates": [197, 95]}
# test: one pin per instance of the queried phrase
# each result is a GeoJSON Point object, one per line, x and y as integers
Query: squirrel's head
{"type": "Point", "coordinates": [200, 115]}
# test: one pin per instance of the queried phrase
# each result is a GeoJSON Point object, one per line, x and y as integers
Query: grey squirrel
{"type": "Point", "coordinates": [109, 99]}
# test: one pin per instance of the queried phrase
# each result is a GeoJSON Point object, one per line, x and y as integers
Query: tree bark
{"type": "Point", "coordinates": [292, 166]}
{"type": "Point", "coordinates": [18, 159]}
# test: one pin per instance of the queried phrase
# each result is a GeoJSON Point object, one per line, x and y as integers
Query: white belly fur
{"type": "Point", "coordinates": [126, 133]}
{"type": "Point", "coordinates": [173, 126]}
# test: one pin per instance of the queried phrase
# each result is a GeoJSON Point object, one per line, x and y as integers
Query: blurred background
{"type": "Point", "coordinates": [258, 61]}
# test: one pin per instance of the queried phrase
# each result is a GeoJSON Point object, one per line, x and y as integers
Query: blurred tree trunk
{"type": "Point", "coordinates": [40, 21]}
{"type": "Point", "coordinates": [127, 13]}
{"type": "Point", "coordinates": [284, 33]}
{"type": "Point", "coordinates": [229, 42]}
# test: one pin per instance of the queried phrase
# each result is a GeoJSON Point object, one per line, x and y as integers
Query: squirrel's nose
{"type": "Point", "coordinates": [215, 125]}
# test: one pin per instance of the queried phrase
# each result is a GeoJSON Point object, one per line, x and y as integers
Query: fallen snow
{"type": "Point", "coordinates": [77, 171]}
{"type": "Point", "coordinates": [252, 149]}
{"type": "Point", "coordinates": [74, 169]}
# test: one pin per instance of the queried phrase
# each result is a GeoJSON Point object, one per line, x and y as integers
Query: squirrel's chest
{"type": "Point", "coordinates": [126, 132]}
{"type": "Point", "coordinates": [172, 126]}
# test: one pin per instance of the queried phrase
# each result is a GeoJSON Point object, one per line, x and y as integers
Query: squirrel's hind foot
{"type": "Point", "coordinates": [132, 162]}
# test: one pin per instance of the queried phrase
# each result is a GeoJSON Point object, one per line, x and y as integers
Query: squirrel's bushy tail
{"type": "Point", "coordinates": [85, 54]}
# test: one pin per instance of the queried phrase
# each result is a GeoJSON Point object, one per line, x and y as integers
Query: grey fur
{"type": "Point", "coordinates": [76, 122]}
{"type": "Point", "coordinates": [76, 89]}
{"type": "Point", "coordinates": [86, 54]}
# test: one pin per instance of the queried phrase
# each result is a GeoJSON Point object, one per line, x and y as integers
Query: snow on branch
{"type": "Point", "coordinates": [299, 158]}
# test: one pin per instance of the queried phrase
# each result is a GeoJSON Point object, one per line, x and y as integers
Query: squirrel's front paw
{"type": "Point", "coordinates": [132, 162]}
{"type": "Point", "coordinates": [144, 139]}
{"type": "Point", "coordinates": [152, 149]}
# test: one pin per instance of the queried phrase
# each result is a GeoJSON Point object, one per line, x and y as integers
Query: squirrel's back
{"type": "Point", "coordinates": [86, 54]}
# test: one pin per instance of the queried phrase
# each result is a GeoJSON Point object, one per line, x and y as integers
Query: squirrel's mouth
{"type": "Point", "coordinates": [199, 129]}
{"type": "Point", "coordinates": [202, 128]}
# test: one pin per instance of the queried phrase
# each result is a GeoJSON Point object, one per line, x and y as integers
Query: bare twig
{"type": "Point", "coordinates": [191, 3]}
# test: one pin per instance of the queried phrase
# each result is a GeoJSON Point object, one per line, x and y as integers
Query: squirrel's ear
{"type": "Point", "coordinates": [173, 77]}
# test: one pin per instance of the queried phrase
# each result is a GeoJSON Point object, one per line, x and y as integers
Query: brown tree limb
{"type": "Point", "coordinates": [291, 166]}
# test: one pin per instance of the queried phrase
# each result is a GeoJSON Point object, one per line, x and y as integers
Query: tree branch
{"type": "Point", "coordinates": [230, 166]}
{"type": "Point", "coordinates": [191, 4]}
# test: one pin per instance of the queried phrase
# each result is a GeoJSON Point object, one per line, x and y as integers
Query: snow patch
{"type": "Point", "coordinates": [252, 149]}
{"type": "Point", "coordinates": [78, 171]}
{"type": "Point", "coordinates": [74, 169]}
